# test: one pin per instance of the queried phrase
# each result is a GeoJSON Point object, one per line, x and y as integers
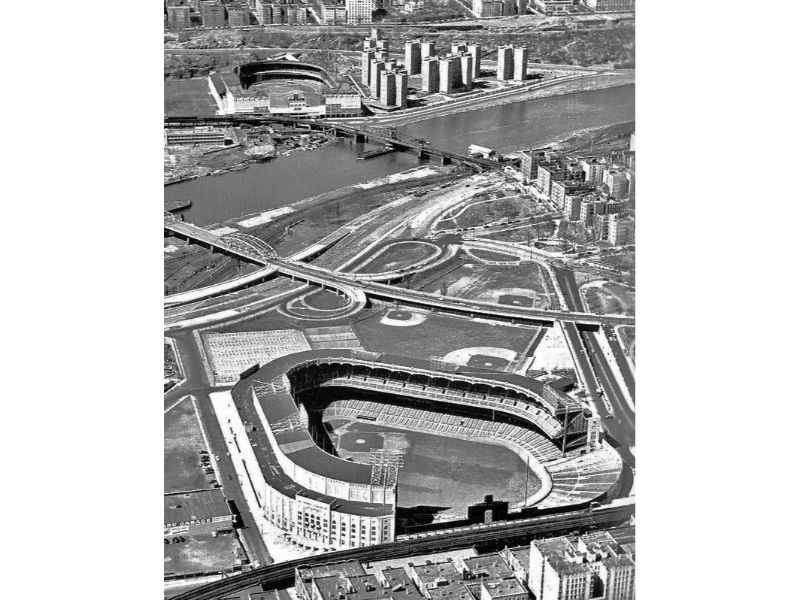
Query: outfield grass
{"type": "Point", "coordinates": [437, 336]}
{"type": "Point", "coordinates": [182, 444]}
{"type": "Point", "coordinates": [188, 97]}
{"type": "Point", "coordinates": [448, 472]}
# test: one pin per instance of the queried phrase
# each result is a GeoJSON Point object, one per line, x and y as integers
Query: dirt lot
{"type": "Point", "coordinates": [201, 554]}
{"type": "Point", "coordinates": [610, 298]}
{"type": "Point", "coordinates": [182, 444]}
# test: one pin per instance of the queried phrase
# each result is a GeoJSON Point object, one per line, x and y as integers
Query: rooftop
{"type": "Point", "coordinates": [345, 568]}
{"type": "Point", "coordinates": [500, 588]}
{"type": "Point", "coordinates": [488, 565]}
{"type": "Point", "coordinates": [453, 591]}
{"type": "Point", "coordinates": [434, 572]}
{"type": "Point", "coordinates": [194, 506]}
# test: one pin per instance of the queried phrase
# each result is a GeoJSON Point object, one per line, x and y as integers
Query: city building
{"type": "Point", "coordinates": [430, 74]}
{"type": "Point", "coordinates": [458, 48]}
{"type": "Point", "coordinates": [333, 14]}
{"type": "Point", "coordinates": [610, 5]}
{"type": "Point", "coordinates": [200, 512]}
{"type": "Point", "coordinates": [388, 88]}
{"type": "Point", "coordinates": [486, 566]}
{"type": "Point", "coordinates": [505, 63]}
{"type": "Point", "coordinates": [520, 64]}
{"type": "Point", "coordinates": [401, 85]}
{"type": "Point", "coordinates": [518, 560]}
{"type": "Point", "coordinates": [238, 15]}
{"type": "Point", "coordinates": [467, 70]}
{"type": "Point", "coordinates": [196, 136]}
{"type": "Point", "coordinates": [178, 17]}
{"type": "Point", "coordinates": [262, 12]}
{"type": "Point", "coordinates": [359, 11]}
{"type": "Point", "coordinates": [560, 190]}
{"type": "Point", "coordinates": [546, 174]}
{"type": "Point", "coordinates": [367, 56]}
{"type": "Point", "coordinates": [620, 230]}
{"type": "Point", "coordinates": [554, 7]}
{"type": "Point", "coordinates": [530, 162]}
{"type": "Point", "coordinates": [458, 590]}
{"type": "Point", "coordinates": [427, 49]}
{"type": "Point", "coordinates": [502, 589]}
{"type": "Point", "coordinates": [617, 182]}
{"type": "Point", "coordinates": [593, 170]}
{"type": "Point", "coordinates": [413, 57]}
{"type": "Point", "coordinates": [213, 14]}
{"type": "Point", "coordinates": [449, 74]}
{"type": "Point", "coordinates": [433, 575]}
{"type": "Point", "coordinates": [376, 67]}
{"type": "Point", "coordinates": [475, 52]}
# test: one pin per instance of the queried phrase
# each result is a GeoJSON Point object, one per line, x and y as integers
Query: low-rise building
{"type": "Point", "coordinates": [433, 575]}
{"type": "Point", "coordinates": [205, 511]}
{"type": "Point", "coordinates": [212, 13]}
{"type": "Point", "coordinates": [486, 566]}
{"type": "Point", "coordinates": [178, 17]}
{"type": "Point", "coordinates": [503, 589]}
{"type": "Point", "coordinates": [620, 230]}
{"type": "Point", "coordinates": [518, 560]}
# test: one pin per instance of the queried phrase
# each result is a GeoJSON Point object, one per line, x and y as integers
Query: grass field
{"type": "Point", "coordinates": [398, 255]}
{"type": "Point", "coordinates": [627, 337]}
{"type": "Point", "coordinates": [488, 212]}
{"type": "Point", "coordinates": [524, 234]}
{"type": "Point", "coordinates": [442, 471]}
{"type": "Point", "coordinates": [437, 336]}
{"type": "Point", "coordinates": [611, 298]}
{"type": "Point", "coordinates": [489, 282]}
{"type": "Point", "coordinates": [182, 444]}
{"type": "Point", "coordinates": [325, 300]}
{"type": "Point", "coordinates": [188, 97]}
{"type": "Point", "coordinates": [201, 553]}
{"type": "Point", "coordinates": [493, 256]}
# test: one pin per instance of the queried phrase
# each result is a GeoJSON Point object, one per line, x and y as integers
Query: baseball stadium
{"type": "Point", "coordinates": [312, 430]}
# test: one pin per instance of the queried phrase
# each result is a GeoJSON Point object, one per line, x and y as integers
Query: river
{"type": "Point", "coordinates": [303, 174]}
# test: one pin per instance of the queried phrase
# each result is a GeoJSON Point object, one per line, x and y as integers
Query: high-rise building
{"type": "Point", "coordinates": [458, 48]}
{"type": "Point", "coordinates": [475, 51]}
{"type": "Point", "coordinates": [520, 64]}
{"type": "Point", "coordinates": [333, 14]}
{"type": "Point", "coordinates": [367, 56]}
{"type": "Point", "coordinates": [213, 14]}
{"type": "Point", "coordinates": [561, 190]}
{"type": "Point", "coordinates": [617, 182]}
{"type": "Point", "coordinates": [413, 57]}
{"type": "Point", "coordinates": [620, 229]}
{"type": "Point", "coordinates": [427, 49]}
{"type": "Point", "coordinates": [375, 69]}
{"type": "Point", "coordinates": [546, 174]}
{"type": "Point", "coordinates": [278, 13]}
{"type": "Point", "coordinates": [594, 565]}
{"type": "Point", "coordinates": [388, 88]}
{"type": "Point", "coordinates": [505, 63]}
{"type": "Point", "coordinates": [401, 85]}
{"type": "Point", "coordinates": [291, 14]}
{"type": "Point", "coordinates": [359, 11]}
{"type": "Point", "coordinates": [178, 17]}
{"type": "Point", "coordinates": [466, 71]}
{"type": "Point", "coordinates": [430, 74]}
{"type": "Point", "coordinates": [238, 15]}
{"type": "Point", "coordinates": [449, 74]}
{"type": "Point", "coordinates": [610, 5]}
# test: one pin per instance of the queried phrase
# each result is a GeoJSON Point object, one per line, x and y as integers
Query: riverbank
{"type": "Point", "coordinates": [587, 83]}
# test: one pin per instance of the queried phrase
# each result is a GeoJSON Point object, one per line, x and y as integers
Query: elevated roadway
{"type": "Point", "coordinates": [282, 574]}
{"type": "Point", "coordinates": [358, 291]}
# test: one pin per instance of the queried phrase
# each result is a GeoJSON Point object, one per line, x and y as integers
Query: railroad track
{"type": "Point", "coordinates": [282, 574]}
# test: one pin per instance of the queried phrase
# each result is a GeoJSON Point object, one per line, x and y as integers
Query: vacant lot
{"type": "Point", "coordinates": [610, 299]}
{"type": "Point", "coordinates": [201, 554]}
{"type": "Point", "coordinates": [188, 97]}
{"type": "Point", "coordinates": [627, 337]}
{"type": "Point", "coordinates": [183, 442]}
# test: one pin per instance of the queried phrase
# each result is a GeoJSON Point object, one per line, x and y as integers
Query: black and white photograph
{"type": "Point", "coordinates": [339, 300]}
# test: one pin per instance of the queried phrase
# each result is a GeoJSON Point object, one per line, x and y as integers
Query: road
{"type": "Point", "coordinates": [197, 385]}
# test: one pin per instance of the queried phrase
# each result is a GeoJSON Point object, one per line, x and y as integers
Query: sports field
{"type": "Point", "coordinates": [438, 471]}
{"type": "Point", "coordinates": [436, 335]}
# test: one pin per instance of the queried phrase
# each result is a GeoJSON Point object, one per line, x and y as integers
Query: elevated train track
{"type": "Point", "coordinates": [282, 574]}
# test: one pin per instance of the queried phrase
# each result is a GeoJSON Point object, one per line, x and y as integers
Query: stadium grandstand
{"type": "Point", "coordinates": [325, 502]}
